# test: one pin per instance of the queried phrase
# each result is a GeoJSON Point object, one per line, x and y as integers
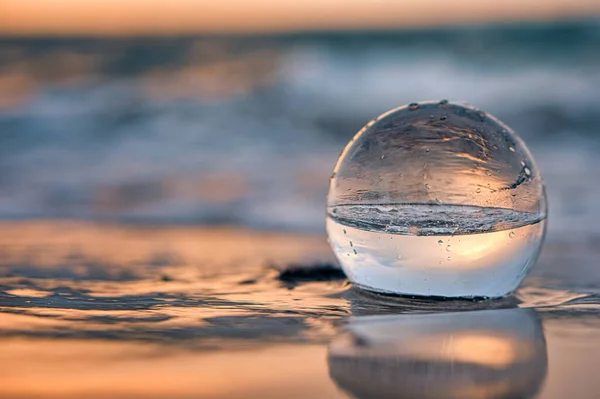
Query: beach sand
{"type": "Point", "coordinates": [95, 310]}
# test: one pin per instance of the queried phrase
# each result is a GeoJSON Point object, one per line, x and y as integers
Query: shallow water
{"type": "Point", "coordinates": [157, 312]}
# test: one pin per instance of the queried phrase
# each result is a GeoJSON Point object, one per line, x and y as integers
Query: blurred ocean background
{"type": "Point", "coordinates": [245, 130]}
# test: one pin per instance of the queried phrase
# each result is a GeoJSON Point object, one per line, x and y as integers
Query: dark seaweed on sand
{"type": "Point", "coordinates": [293, 274]}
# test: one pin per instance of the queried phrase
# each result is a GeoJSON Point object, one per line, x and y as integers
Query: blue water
{"type": "Point", "coordinates": [226, 130]}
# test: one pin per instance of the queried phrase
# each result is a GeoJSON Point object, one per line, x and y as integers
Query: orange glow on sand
{"type": "Point", "coordinates": [106, 369]}
{"type": "Point", "coordinates": [151, 17]}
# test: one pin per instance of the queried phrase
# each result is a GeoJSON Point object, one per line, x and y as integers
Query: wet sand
{"type": "Point", "coordinates": [91, 310]}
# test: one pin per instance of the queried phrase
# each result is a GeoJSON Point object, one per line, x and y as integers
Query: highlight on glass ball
{"type": "Point", "coordinates": [436, 199]}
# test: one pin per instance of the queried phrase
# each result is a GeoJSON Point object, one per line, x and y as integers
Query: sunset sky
{"type": "Point", "coordinates": [143, 17]}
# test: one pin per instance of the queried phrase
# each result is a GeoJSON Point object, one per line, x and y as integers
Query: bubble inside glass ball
{"type": "Point", "coordinates": [436, 199]}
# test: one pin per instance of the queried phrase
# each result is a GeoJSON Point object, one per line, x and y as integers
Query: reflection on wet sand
{"type": "Point", "coordinates": [116, 369]}
{"type": "Point", "coordinates": [106, 310]}
{"type": "Point", "coordinates": [100, 310]}
{"type": "Point", "coordinates": [482, 354]}
{"type": "Point", "coordinates": [199, 288]}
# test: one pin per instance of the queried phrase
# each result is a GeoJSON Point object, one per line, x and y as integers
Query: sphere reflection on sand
{"type": "Point", "coordinates": [482, 354]}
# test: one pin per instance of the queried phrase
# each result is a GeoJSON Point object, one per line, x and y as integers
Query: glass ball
{"type": "Point", "coordinates": [436, 199]}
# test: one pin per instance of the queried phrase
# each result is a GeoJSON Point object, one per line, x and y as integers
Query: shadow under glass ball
{"type": "Point", "coordinates": [436, 199]}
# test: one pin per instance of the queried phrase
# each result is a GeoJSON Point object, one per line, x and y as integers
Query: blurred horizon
{"type": "Point", "coordinates": [245, 131]}
{"type": "Point", "coordinates": [101, 18]}
{"type": "Point", "coordinates": [234, 113]}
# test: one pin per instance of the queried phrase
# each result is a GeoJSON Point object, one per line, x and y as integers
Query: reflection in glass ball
{"type": "Point", "coordinates": [436, 199]}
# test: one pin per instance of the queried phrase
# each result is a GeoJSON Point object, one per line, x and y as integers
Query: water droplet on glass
{"type": "Point", "coordinates": [381, 157]}
{"type": "Point", "coordinates": [399, 256]}
{"type": "Point", "coordinates": [351, 244]}
{"type": "Point", "coordinates": [345, 232]}
{"type": "Point", "coordinates": [449, 258]}
{"type": "Point", "coordinates": [426, 149]}
{"type": "Point", "coordinates": [443, 102]}
{"type": "Point", "coordinates": [413, 106]}
{"type": "Point", "coordinates": [355, 253]}
{"type": "Point", "coordinates": [369, 200]}
{"type": "Point", "coordinates": [511, 149]}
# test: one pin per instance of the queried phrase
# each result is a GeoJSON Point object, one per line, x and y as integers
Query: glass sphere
{"type": "Point", "coordinates": [436, 199]}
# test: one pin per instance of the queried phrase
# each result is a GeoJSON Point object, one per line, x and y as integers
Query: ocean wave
{"type": "Point", "coordinates": [246, 131]}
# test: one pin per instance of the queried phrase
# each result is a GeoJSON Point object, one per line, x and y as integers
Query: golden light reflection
{"type": "Point", "coordinates": [484, 347]}
{"type": "Point", "coordinates": [477, 246]}
{"type": "Point", "coordinates": [138, 248]}
{"type": "Point", "coordinates": [574, 356]}
{"type": "Point", "coordinates": [27, 292]}
{"type": "Point", "coordinates": [487, 350]}
{"type": "Point", "coordinates": [221, 327]}
{"type": "Point", "coordinates": [185, 312]}
{"type": "Point", "coordinates": [154, 283]}
{"type": "Point", "coordinates": [93, 369]}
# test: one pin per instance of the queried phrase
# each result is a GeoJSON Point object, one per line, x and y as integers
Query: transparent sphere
{"type": "Point", "coordinates": [436, 199]}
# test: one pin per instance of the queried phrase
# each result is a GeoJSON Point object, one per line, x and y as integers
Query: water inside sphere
{"type": "Point", "coordinates": [436, 199]}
